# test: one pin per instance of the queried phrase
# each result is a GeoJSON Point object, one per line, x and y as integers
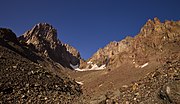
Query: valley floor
{"type": "Point", "coordinates": [97, 84]}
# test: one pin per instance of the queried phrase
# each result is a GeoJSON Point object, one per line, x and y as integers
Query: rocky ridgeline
{"type": "Point", "coordinates": [105, 55]}
{"type": "Point", "coordinates": [42, 38]}
{"type": "Point", "coordinates": [24, 80]}
{"type": "Point", "coordinates": [73, 51]}
{"type": "Point", "coordinates": [29, 72]}
{"type": "Point", "coordinates": [154, 39]}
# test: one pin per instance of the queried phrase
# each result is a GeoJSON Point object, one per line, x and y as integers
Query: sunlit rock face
{"type": "Point", "coordinates": [153, 40]}
{"type": "Point", "coordinates": [43, 39]}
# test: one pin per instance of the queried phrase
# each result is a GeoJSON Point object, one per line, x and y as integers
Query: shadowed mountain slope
{"type": "Point", "coordinates": [24, 80]}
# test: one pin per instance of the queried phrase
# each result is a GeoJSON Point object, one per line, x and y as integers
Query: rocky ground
{"type": "Point", "coordinates": [161, 86]}
{"type": "Point", "coordinates": [25, 81]}
{"type": "Point", "coordinates": [153, 84]}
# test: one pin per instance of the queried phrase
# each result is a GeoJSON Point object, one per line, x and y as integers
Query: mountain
{"type": "Point", "coordinates": [24, 78]}
{"type": "Point", "coordinates": [154, 39]}
{"type": "Point", "coordinates": [139, 70]}
{"type": "Point", "coordinates": [34, 68]}
{"type": "Point", "coordinates": [42, 38]}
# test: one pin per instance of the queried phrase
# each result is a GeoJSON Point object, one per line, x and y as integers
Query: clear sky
{"type": "Point", "coordinates": [87, 24]}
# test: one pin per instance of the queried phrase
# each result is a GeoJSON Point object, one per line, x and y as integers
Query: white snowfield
{"type": "Point", "coordinates": [94, 67]}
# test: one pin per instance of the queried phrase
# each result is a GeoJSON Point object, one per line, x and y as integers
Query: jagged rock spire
{"type": "Point", "coordinates": [44, 38]}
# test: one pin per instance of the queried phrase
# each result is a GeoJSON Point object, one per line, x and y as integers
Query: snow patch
{"type": "Point", "coordinates": [142, 66]}
{"type": "Point", "coordinates": [74, 66]}
{"type": "Point", "coordinates": [102, 66]}
{"type": "Point", "coordinates": [139, 66]}
{"type": "Point", "coordinates": [79, 83]}
{"type": "Point", "coordinates": [78, 69]}
{"type": "Point", "coordinates": [94, 67]}
{"type": "Point", "coordinates": [89, 62]}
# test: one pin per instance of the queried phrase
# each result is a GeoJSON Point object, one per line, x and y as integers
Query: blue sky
{"type": "Point", "coordinates": [87, 24]}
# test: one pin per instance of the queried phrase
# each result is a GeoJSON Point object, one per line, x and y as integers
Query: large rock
{"type": "Point", "coordinates": [43, 37]}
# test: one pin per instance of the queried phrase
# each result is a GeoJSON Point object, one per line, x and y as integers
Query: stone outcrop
{"type": "Point", "coordinates": [72, 50]}
{"type": "Point", "coordinates": [8, 35]}
{"type": "Point", "coordinates": [42, 38]}
{"type": "Point", "coordinates": [154, 39]}
{"type": "Point", "coordinates": [103, 55]}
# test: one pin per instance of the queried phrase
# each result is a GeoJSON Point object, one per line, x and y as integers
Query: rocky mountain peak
{"type": "Point", "coordinates": [47, 31]}
{"type": "Point", "coordinates": [41, 33]}
{"type": "Point", "coordinates": [150, 25]}
{"type": "Point", "coordinates": [153, 22]}
{"type": "Point", "coordinates": [43, 37]}
{"type": "Point", "coordinates": [156, 20]}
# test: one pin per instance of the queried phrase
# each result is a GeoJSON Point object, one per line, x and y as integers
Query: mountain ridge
{"type": "Point", "coordinates": [43, 38]}
{"type": "Point", "coordinates": [136, 47]}
{"type": "Point", "coordinates": [35, 67]}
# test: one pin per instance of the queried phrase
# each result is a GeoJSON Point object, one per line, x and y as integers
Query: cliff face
{"type": "Point", "coordinates": [73, 51]}
{"type": "Point", "coordinates": [42, 38]}
{"type": "Point", "coordinates": [103, 56]}
{"type": "Point", "coordinates": [155, 38]}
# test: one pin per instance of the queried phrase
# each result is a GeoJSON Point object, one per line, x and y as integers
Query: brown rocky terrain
{"type": "Point", "coordinates": [154, 38]}
{"type": "Point", "coordinates": [161, 86]}
{"type": "Point", "coordinates": [104, 55]}
{"type": "Point", "coordinates": [24, 79]}
{"type": "Point", "coordinates": [143, 69]}
{"type": "Point", "coordinates": [132, 63]}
